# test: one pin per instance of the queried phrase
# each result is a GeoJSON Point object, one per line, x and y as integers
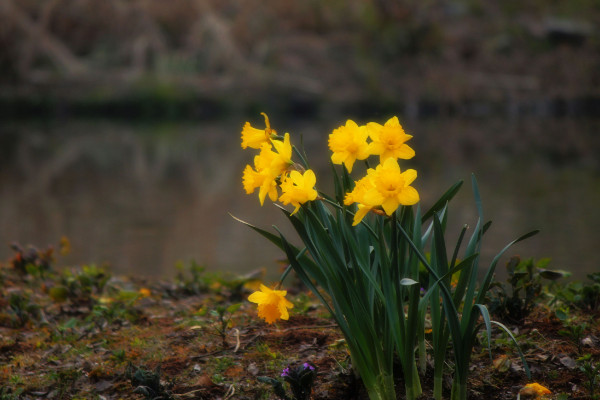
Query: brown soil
{"type": "Point", "coordinates": [68, 349]}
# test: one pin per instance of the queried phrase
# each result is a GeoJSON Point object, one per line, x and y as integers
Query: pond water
{"type": "Point", "coordinates": [141, 197]}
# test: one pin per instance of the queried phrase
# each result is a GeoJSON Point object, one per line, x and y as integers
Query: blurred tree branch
{"type": "Point", "coordinates": [42, 40]}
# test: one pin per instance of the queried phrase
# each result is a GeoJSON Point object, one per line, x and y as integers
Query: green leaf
{"type": "Point", "coordinates": [408, 282]}
{"type": "Point", "coordinates": [552, 274]}
{"type": "Point", "coordinates": [446, 197]}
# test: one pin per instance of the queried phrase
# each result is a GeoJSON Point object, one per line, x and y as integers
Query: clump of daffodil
{"type": "Point", "coordinates": [272, 304]}
{"type": "Point", "coordinates": [348, 144]}
{"type": "Point", "coordinates": [388, 141]}
{"type": "Point", "coordinates": [255, 138]}
{"type": "Point", "coordinates": [298, 188]}
{"type": "Point", "coordinates": [368, 276]}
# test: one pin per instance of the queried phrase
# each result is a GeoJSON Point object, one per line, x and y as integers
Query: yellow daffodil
{"type": "Point", "coordinates": [268, 166]}
{"type": "Point", "coordinates": [388, 141]}
{"type": "Point", "coordinates": [251, 179]}
{"type": "Point", "coordinates": [391, 187]}
{"type": "Point", "coordinates": [534, 390]}
{"type": "Point", "coordinates": [272, 304]}
{"type": "Point", "coordinates": [262, 179]}
{"type": "Point", "coordinates": [298, 188]}
{"type": "Point", "coordinates": [357, 195]}
{"type": "Point", "coordinates": [348, 144]}
{"type": "Point", "coordinates": [255, 138]}
{"type": "Point", "coordinates": [283, 156]}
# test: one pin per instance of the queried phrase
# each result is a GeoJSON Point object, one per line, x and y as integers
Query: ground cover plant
{"type": "Point", "coordinates": [170, 342]}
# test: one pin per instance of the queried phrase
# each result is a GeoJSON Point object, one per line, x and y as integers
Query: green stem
{"type": "Point", "coordinates": [413, 383]}
{"type": "Point", "coordinates": [437, 386]}
{"type": "Point", "coordinates": [459, 389]}
{"type": "Point", "coordinates": [381, 388]}
{"type": "Point", "coordinates": [422, 355]}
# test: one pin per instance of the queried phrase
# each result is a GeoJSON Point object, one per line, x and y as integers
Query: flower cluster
{"type": "Point", "coordinates": [350, 142]}
{"type": "Point", "coordinates": [274, 168]}
{"type": "Point", "coordinates": [382, 190]}
{"type": "Point", "coordinates": [385, 186]}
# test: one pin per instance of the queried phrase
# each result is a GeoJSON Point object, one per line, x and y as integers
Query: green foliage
{"type": "Point", "coordinates": [591, 372]}
{"type": "Point", "coordinates": [147, 383]}
{"type": "Point", "coordinates": [32, 261]}
{"type": "Point", "coordinates": [461, 328]}
{"type": "Point", "coordinates": [300, 380]}
{"type": "Point", "coordinates": [64, 380]}
{"type": "Point", "coordinates": [585, 296]}
{"type": "Point", "coordinates": [7, 393]}
{"type": "Point", "coordinates": [191, 279]}
{"type": "Point", "coordinates": [22, 309]}
{"type": "Point", "coordinates": [382, 312]}
{"type": "Point", "coordinates": [80, 286]}
{"type": "Point", "coordinates": [113, 312]}
{"type": "Point", "coordinates": [574, 332]}
{"type": "Point", "coordinates": [119, 355]}
{"type": "Point", "coordinates": [223, 314]}
{"type": "Point", "coordinates": [514, 300]}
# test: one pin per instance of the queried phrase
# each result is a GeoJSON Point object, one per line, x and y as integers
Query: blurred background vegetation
{"type": "Point", "coordinates": [460, 56]}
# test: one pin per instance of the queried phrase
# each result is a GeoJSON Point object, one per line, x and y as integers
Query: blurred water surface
{"type": "Point", "coordinates": [140, 197]}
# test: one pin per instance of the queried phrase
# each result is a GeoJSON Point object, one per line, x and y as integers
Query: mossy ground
{"type": "Point", "coordinates": [90, 343]}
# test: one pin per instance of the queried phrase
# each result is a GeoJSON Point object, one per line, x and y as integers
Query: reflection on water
{"type": "Point", "coordinates": [142, 197]}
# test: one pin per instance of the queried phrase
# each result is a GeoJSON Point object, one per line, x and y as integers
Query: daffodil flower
{"type": "Point", "coordinates": [282, 158]}
{"type": "Point", "coordinates": [388, 141]}
{"type": "Point", "coordinates": [348, 144]}
{"type": "Point", "coordinates": [261, 177]}
{"type": "Point", "coordinates": [391, 187]}
{"type": "Point", "coordinates": [255, 138]}
{"type": "Point", "coordinates": [298, 188]}
{"type": "Point", "coordinates": [534, 390]}
{"type": "Point", "coordinates": [272, 304]}
{"type": "Point", "coordinates": [384, 186]}
{"type": "Point", "coordinates": [268, 166]}
{"type": "Point", "coordinates": [357, 195]}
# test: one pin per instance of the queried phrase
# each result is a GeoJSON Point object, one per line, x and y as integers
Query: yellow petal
{"type": "Point", "coordinates": [360, 214]}
{"type": "Point", "coordinates": [409, 176]}
{"type": "Point", "coordinates": [408, 196]}
{"type": "Point", "coordinates": [258, 297]}
{"type": "Point", "coordinates": [390, 205]}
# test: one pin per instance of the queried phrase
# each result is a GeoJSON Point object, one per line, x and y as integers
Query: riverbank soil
{"type": "Point", "coordinates": [80, 333]}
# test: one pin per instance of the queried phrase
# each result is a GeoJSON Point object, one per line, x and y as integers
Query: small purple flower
{"type": "Point", "coordinates": [308, 366]}
{"type": "Point", "coordinates": [285, 372]}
